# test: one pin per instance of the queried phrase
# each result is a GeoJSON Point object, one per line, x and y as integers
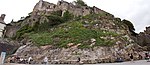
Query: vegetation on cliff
{"type": "Point", "coordinates": [72, 32]}
{"type": "Point", "coordinates": [59, 28]}
{"type": "Point", "coordinates": [68, 31]}
{"type": "Point", "coordinates": [65, 30]}
{"type": "Point", "coordinates": [80, 3]}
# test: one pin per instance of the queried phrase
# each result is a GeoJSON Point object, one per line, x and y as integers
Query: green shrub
{"type": "Point", "coordinates": [22, 31]}
{"type": "Point", "coordinates": [80, 3]}
{"type": "Point", "coordinates": [91, 16]}
{"type": "Point", "coordinates": [41, 38]}
{"type": "Point", "coordinates": [67, 16]}
{"type": "Point", "coordinates": [55, 19]}
{"type": "Point", "coordinates": [42, 27]}
{"type": "Point", "coordinates": [57, 13]}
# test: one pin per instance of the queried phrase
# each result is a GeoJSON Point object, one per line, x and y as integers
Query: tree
{"type": "Point", "coordinates": [129, 24]}
{"type": "Point", "coordinates": [68, 16]}
{"type": "Point", "coordinates": [80, 3]}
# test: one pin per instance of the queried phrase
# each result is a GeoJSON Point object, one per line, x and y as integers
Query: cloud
{"type": "Point", "coordinates": [140, 14]}
{"type": "Point", "coordinates": [15, 9]}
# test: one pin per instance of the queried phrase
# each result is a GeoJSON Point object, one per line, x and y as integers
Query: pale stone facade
{"type": "Point", "coordinates": [2, 24]}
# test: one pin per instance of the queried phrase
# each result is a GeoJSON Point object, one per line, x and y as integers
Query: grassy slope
{"type": "Point", "coordinates": [72, 32]}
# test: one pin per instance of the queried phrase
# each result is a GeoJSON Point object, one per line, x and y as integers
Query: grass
{"type": "Point", "coordinates": [71, 32]}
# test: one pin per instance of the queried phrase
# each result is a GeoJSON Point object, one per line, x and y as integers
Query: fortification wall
{"type": "Point", "coordinates": [77, 10]}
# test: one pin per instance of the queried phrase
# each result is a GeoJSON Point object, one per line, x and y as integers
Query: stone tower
{"type": "Point", "coordinates": [40, 4]}
{"type": "Point", "coordinates": [2, 24]}
{"type": "Point", "coordinates": [2, 18]}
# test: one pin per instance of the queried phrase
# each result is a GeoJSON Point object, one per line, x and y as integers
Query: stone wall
{"type": "Point", "coordinates": [63, 6]}
{"type": "Point", "coordinates": [10, 31]}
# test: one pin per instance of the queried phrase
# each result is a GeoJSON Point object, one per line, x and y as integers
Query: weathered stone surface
{"type": "Point", "coordinates": [143, 38]}
{"type": "Point", "coordinates": [8, 46]}
{"type": "Point", "coordinates": [121, 46]}
{"type": "Point", "coordinates": [43, 6]}
{"type": "Point", "coordinates": [71, 55]}
{"type": "Point", "coordinates": [11, 31]}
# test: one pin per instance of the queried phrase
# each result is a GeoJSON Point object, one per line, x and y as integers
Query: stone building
{"type": "Point", "coordinates": [2, 24]}
{"type": "Point", "coordinates": [43, 7]}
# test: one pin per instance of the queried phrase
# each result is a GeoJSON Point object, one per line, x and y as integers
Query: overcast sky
{"type": "Point", "coordinates": [136, 11]}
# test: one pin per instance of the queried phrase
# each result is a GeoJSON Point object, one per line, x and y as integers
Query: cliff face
{"type": "Point", "coordinates": [71, 55]}
{"type": "Point", "coordinates": [143, 38]}
{"type": "Point", "coordinates": [65, 32]}
{"type": "Point", "coordinates": [8, 46]}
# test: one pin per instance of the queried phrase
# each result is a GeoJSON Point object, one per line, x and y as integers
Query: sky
{"type": "Point", "coordinates": [136, 11]}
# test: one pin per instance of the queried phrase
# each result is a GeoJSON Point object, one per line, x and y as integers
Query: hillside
{"type": "Point", "coordinates": [66, 31]}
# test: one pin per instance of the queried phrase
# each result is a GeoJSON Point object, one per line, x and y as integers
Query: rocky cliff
{"type": "Point", "coordinates": [8, 46]}
{"type": "Point", "coordinates": [66, 31]}
{"type": "Point", "coordinates": [143, 38]}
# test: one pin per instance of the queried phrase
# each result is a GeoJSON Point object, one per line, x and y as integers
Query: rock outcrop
{"type": "Point", "coordinates": [8, 46]}
{"type": "Point", "coordinates": [104, 37]}
{"type": "Point", "coordinates": [143, 38]}
{"type": "Point", "coordinates": [10, 30]}
{"type": "Point", "coordinates": [71, 55]}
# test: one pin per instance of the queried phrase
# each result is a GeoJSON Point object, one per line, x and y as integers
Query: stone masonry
{"type": "Point", "coordinates": [2, 24]}
{"type": "Point", "coordinates": [46, 7]}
